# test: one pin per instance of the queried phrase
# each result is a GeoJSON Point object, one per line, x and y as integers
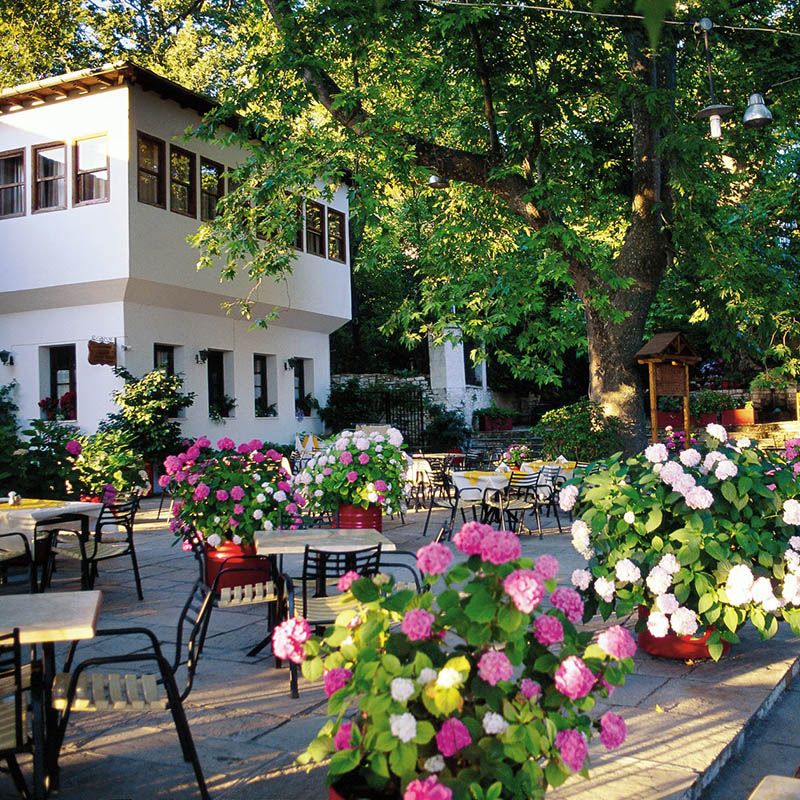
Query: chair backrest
{"type": "Point", "coordinates": [549, 474]}
{"type": "Point", "coordinates": [320, 566]}
{"type": "Point", "coordinates": [524, 480]}
{"type": "Point", "coordinates": [120, 511]}
{"type": "Point", "coordinates": [13, 735]}
{"type": "Point", "coordinates": [195, 616]}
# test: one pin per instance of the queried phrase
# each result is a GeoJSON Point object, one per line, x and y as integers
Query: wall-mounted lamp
{"type": "Point", "coordinates": [6, 359]}
{"type": "Point", "coordinates": [201, 357]}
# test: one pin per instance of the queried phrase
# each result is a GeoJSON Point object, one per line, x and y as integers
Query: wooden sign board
{"type": "Point", "coordinates": [103, 353]}
{"type": "Point", "coordinates": [670, 379]}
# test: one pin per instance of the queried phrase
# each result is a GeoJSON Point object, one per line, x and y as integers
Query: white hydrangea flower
{"type": "Point", "coordinates": [659, 581]}
{"type": "Point", "coordinates": [764, 595]}
{"type": "Point", "coordinates": [268, 526]}
{"type": "Point", "coordinates": [261, 498]}
{"type": "Point", "coordinates": [581, 578]}
{"type": "Point", "coordinates": [699, 498]}
{"type": "Point", "coordinates": [743, 443]}
{"type": "Point", "coordinates": [629, 517]}
{"type": "Point", "coordinates": [580, 538]}
{"type": "Point", "coordinates": [258, 513]}
{"type": "Point", "coordinates": [403, 726]}
{"type": "Point", "coordinates": [670, 472]}
{"type": "Point", "coordinates": [690, 457]}
{"type": "Point", "coordinates": [791, 512]}
{"type": "Point", "coordinates": [605, 589]}
{"type": "Point", "coordinates": [395, 437]}
{"type": "Point", "coordinates": [717, 431]}
{"type": "Point", "coordinates": [448, 678]}
{"type": "Point", "coordinates": [279, 496]}
{"type": "Point", "coordinates": [626, 571]}
{"type": "Point", "coordinates": [237, 539]}
{"type": "Point", "coordinates": [711, 459]}
{"type": "Point", "coordinates": [794, 543]}
{"type": "Point", "coordinates": [669, 563]}
{"type": "Point", "coordinates": [215, 540]}
{"type": "Point", "coordinates": [656, 453]}
{"type": "Point", "coordinates": [684, 483]}
{"type": "Point", "coordinates": [792, 559]}
{"type": "Point", "coordinates": [256, 477]}
{"type": "Point", "coordinates": [434, 764]}
{"type": "Point", "coordinates": [684, 621]}
{"type": "Point", "coordinates": [426, 675]}
{"type": "Point", "coordinates": [494, 723]}
{"type": "Point", "coordinates": [667, 603]}
{"type": "Point", "coordinates": [739, 586]}
{"type": "Point", "coordinates": [791, 589]}
{"type": "Point", "coordinates": [658, 624]}
{"type": "Point", "coordinates": [568, 497]}
{"type": "Point", "coordinates": [318, 493]}
{"type": "Point", "coordinates": [401, 689]}
{"type": "Point", "coordinates": [217, 520]}
{"type": "Point", "coordinates": [726, 469]}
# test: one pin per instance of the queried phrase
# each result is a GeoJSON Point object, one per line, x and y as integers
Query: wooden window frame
{"type": "Point", "coordinates": [220, 185]}
{"type": "Point", "coordinates": [260, 358]}
{"type": "Point", "coordinates": [170, 350]}
{"type": "Point", "coordinates": [35, 149]}
{"type": "Point", "coordinates": [191, 186]}
{"type": "Point", "coordinates": [77, 172]}
{"type": "Point", "coordinates": [13, 154]}
{"type": "Point", "coordinates": [73, 377]}
{"type": "Point", "coordinates": [323, 232]}
{"type": "Point", "coordinates": [160, 175]}
{"type": "Point", "coordinates": [213, 394]}
{"type": "Point", "coordinates": [343, 239]}
{"type": "Point", "coordinates": [299, 237]}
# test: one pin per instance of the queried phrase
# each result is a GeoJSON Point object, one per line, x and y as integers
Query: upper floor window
{"type": "Point", "coordinates": [49, 177]}
{"type": "Point", "coordinates": [182, 182]}
{"type": "Point", "coordinates": [164, 358]}
{"type": "Point", "coordinates": [336, 241]}
{"type": "Point", "coordinates": [315, 229]}
{"type": "Point", "coordinates": [91, 170]}
{"type": "Point", "coordinates": [298, 236]}
{"type": "Point", "coordinates": [12, 183]}
{"type": "Point", "coordinates": [212, 187]}
{"type": "Point", "coordinates": [150, 171]}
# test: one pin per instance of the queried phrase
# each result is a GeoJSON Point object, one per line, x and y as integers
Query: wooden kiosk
{"type": "Point", "coordinates": [668, 358]}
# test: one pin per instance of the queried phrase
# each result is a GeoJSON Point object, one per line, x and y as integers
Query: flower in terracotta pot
{"type": "Point", "coordinates": [701, 538]}
{"type": "Point", "coordinates": [359, 469]}
{"type": "Point", "coordinates": [229, 493]}
{"type": "Point", "coordinates": [482, 680]}
{"type": "Point", "coordinates": [517, 454]}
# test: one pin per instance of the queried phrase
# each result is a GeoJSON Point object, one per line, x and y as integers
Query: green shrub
{"type": "Point", "coordinates": [495, 412]}
{"type": "Point", "coordinates": [445, 429]}
{"type": "Point", "coordinates": [108, 457]}
{"type": "Point", "coordinates": [47, 469]}
{"type": "Point", "coordinates": [10, 463]}
{"type": "Point", "coordinates": [581, 432]}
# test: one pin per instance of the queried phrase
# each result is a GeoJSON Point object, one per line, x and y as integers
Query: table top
{"type": "Point", "coordinates": [337, 540]}
{"type": "Point", "coordinates": [480, 479]}
{"type": "Point", "coordinates": [51, 616]}
{"type": "Point", "coordinates": [22, 518]}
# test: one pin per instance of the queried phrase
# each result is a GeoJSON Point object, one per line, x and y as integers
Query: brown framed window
{"type": "Point", "coordinates": [217, 399]}
{"type": "Point", "coordinates": [315, 229]}
{"type": "Point", "coordinates": [49, 177]}
{"type": "Point", "coordinates": [182, 182]}
{"type": "Point", "coordinates": [151, 170]}
{"type": "Point", "coordinates": [260, 388]}
{"type": "Point", "coordinates": [12, 183]}
{"type": "Point", "coordinates": [212, 187]}
{"type": "Point", "coordinates": [298, 239]}
{"type": "Point", "coordinates": [62, 380]}
{"type": "Point", "coordinates": [91, 170]}
{"type": "Point", "coordinates": [337, 248]}
{"type": "Point", "coordinates": [164, 358]}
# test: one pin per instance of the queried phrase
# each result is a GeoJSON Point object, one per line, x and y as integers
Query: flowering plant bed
{"type": "Point", "coordinates": [478, 688]}
{"type": "Point", "coordinates": [516, 455]}
{"type": "Point", "coordinates": [228, 493]}
{"type": "Point", "coordinates": [356, 469]}
{"type": "Point", "coordinates": [700, 537]}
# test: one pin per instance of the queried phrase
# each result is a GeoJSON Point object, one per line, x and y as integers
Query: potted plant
{"type": "Point", "coordinates": [224, 495]}
{"type": "Point", "coordinates": [516, 455]}
{"type": "Point", "coordinates": [494, 418]}
{"type": "Point", "coordinates": [701, 541]}
{"type": "Point", "coordinates": [739, 416]}
{"type": "Point", "coordinates": [471, 689]}
{"type": "Point", "coordinates": [670, 412]}
{"type": "Point", "coordinates": [359, 476]}
{"type": "Point", "coordinates": [445, 429]}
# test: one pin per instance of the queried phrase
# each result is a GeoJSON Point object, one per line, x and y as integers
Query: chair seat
{"type": "Point", "coordinates": [324, 608]}
{"type": "Point", "coordinates": [106, 691]}
{"type": "Point", "coordinates": [10, 555]}
{"type": "Point", "coordinates": [97, 551]}
{"type": "Point", "coordinates": [249, 594]}
{"type": "Point", "coordinates": [8, 725]}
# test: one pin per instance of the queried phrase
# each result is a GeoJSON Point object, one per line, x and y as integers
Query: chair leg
{"type": "Point", "coordinates": [428, 518]}
{"type": "Point", "coordinates": [136, 571]}
{"type": "Point", "coordinates": [293, 680]}
{"type": "Point", "coordinates": [17, 776]}
{"type": "Point", "coordinates": [558, 520]}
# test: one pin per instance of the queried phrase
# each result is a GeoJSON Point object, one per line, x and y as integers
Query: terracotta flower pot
{"type": "Point", "coordinates": [738, 416]}
{"type": "Point", "coordinates": [229, 554]}
{"type": "Point", "coordinates": [680, 648]}
{"type": "Point", "coordinates": [358, 517]}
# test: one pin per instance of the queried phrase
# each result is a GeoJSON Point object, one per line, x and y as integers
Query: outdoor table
{"type": "Point", "coordinates": [480, 480]}
{"type": "Point", "coordinates": [24, 517]}
{"type": "Point", "coordinates": [43, 619]}
{"type": "Point", "coordinates": [337, 540]}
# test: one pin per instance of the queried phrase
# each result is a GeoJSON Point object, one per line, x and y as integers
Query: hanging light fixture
{"type": "Point", "coordinates": [435, 182]}
{"type": "Point", "coordinates": [714, 111]}
{"type": "Point", "coordinates": [756, 115]}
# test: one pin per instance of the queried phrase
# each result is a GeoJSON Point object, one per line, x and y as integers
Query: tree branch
{"type": "Point", "coordinates": [483, 76]}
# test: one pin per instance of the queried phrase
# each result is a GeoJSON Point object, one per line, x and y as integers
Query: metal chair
{"type": "Point", "coordinates": [526, 492]}
{"type": "Point", "coordinates": [90, 548]}
{"type": "Point", "coordinates": [15, 551]}
{"type": "Point", "coordinates": [14, 734]}
{"type": "Point", "coordinates": [455, 500]}
{"type": "Point", "coordinates": [85, 688]}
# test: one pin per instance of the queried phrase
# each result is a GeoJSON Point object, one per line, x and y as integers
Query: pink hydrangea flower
{"type": "Point", "coordinates": [291, 508]}
{"type": "Point", "coordinates": [203, 441]}
{"type": "Point", "coordinates": [429, 789]}
{"type": "Point", "coordinates": [468, 539]}
{"type": "Point", "coordinates": [571, 745]}
{"type": "Point", "coordinates": [258, 457]}
{"type": "Point", "coordinates": [73, 447]}
{"type": "Point", "coordinates": [494, 667]}
{"type": "Point", "coordinates": [568, 601]}
{"type": "Point", "coordinates": [273, 454]}
{"type": "Point", "coordinates": [529, 688]}
{"type": "Point", "coordinates": [289, 638]}
{"type": "Point", "coordinates": [548, 630]}
{"type": "Point", "coordinates": [343, 737]}
{"type": "Point", "coordinates": [346, 581]}
{"type": "Point", "coordinates": [226, 443]}
{"type": "Point", "coordinates": [546, 567]}
{"type": "Point", "coordinates": [352, 476]}
{"type": "Point", "coordinates": [327, 471]}
{"type": "Point", "coordinates": [346, 458]}
{"type": "Point", "coordinates": [380, 486]}
{"type": "Point", "coordinates": [363, 458]}
{"type": "Point", "coordinates": [255, 444]}
{"type": "Point", "coordinates": [238, 509]}
{"type": "Point", "coordinates": [285, 486]}
{"type": "Point", "coordinates": [617, 642]}
{"type": "Point", "coordinates": [243, 448]}
{"type": "Point", "coordinates": [237, 493]}
{"type": "Point", "coordinates": [612, 730]}
{"type": "Point", "coordinates": [417, 624]}
{"type": "Point", "coordinates": [163, 481]}
{"type": "Point", "coordinates": [573, 678]}
{"type": "Point", "coordinates": [499, 547]}
{"type": "Point", "coordinates": [222, 495]}
{"type": "Point", "coordinates": [193, 452]}
{"type": "Point", "coordinates": [192, 479]}
{"type": "Point", "coordinates": [172, 464]}
{"type": "Point", "coordinates": [452, 737]}
{"type": "Point", "coordinates": [201, 491]}
{"type": "Point", "coordinates": [525, 589]}
{"type": "Point", "coordinates": [233, 522]}
{"type": "Point", "coordinates": [334, 679]}
{"type": "Point", "coordinates": [433, 559]}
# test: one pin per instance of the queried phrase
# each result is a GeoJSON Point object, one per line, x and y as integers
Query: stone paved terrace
{"type": "Point", "coordinates": [684, 720]}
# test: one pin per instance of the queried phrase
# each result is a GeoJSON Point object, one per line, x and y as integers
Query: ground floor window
{"type": "Point", "coordinates": [164, 358]}
{"type": "Point", "coordinates": [219, 404]}
{"type": "Point", "coordinates": [263, 407]}
{"type": "Point", "coordinates": [63, 400]}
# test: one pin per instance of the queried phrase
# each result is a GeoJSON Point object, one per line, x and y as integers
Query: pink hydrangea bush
{"type": "Point", "coordinates": [356, 468]}
{"type": "Point", "coordinates": [228, 493]}
{"type": "Point", "coordinates": [483, 673]}
{"type": "Point", "coordinates": [701, 538]}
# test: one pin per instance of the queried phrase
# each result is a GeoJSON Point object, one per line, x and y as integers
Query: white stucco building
{"type": "Point", "coordinates": [99, 189]}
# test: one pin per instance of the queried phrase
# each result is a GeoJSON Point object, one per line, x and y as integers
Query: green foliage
{"type": "Point", "coordinates": [581, 432]}
{"type": "Point", "coordinates": [496, 412]}
{"type": "Point", "coordinates": [108, 457]}
{"type": "Point", "coordinates": [47, 466]}
{"type": "Point", "coordinates": [220, 411]}
{"type": "Point", "coordinates": [445, 429]}
{"type": "Point", "coordinates": [708, 401]}
{"type": "Point", "coordinates": [10, 463]}
{"type": "Point", "coordinates": [148, 406]}
{"type": "Point", "coordinates": [775, 378]}
{"type": "Point", "coordinates": [354, 403]}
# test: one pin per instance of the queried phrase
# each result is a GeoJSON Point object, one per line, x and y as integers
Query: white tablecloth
{"type": "Point", "coordinates": [19, 519]}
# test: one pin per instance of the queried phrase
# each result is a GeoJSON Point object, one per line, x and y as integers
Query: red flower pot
{"type": "Point", "coordinates": [334, 795]}
{"type": "Point", "coordinates": [706, 419]}
{"type": "Point", "coordinates": [680, 648]}
{"type": "Point", "coordinates": [358, 517]}
{"type": "Point", "coordinates": [673, 418]}
{"type": "Point", "coordinates": [230, 555]}
{"type": "Point", "coordinates": [738, 416]}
